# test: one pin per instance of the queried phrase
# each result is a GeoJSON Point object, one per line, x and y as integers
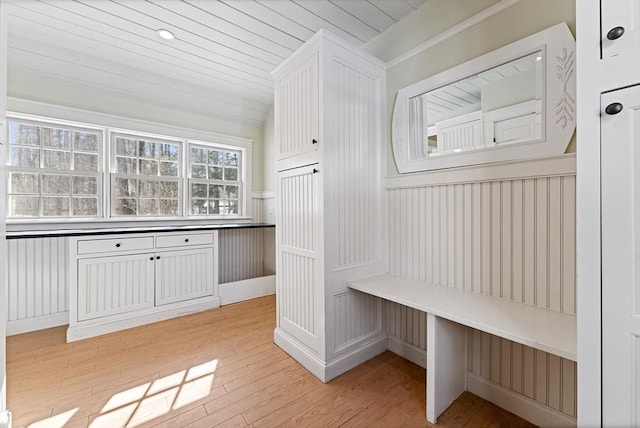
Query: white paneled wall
{"type": "Point", "coordinates": [37, 275]}
{"type": "Point", "coordinates": [242, 254]}
{"type": "Point", "coordinates": [511, 237]}
{"type": "Point", "coordinates": [540, 376]}
{"type": "Point", "coordinates": [408, 325]}
{"type": "Point", "coordinates": [38, 271]}
{"type": "Point", "coordinates": [355, 179]}
{"type": "Point", "coordinates": [355, 315]}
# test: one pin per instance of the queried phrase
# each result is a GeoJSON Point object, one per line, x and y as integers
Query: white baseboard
{"type": "Point", "coordinates": [357, 354]}
{"type": "Point", "coordinates": [362, 351]}
{"type": "Point", "coordinates": [300, 353]}
{"type": "Point", "coordinates": [93, 328]}
{"type": "Point", "coordinates": [37, 323]}
{"type": "Point", "coordinates": [518, 404]}
{"type": "Point", "coordinates": [407, 351]}
{"type": "Point", "coordinates": [237, 291]}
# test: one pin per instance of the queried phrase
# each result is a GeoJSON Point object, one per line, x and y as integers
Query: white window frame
{"type": "Point", "coordinates": [67, 126]}
{"type": "Point", "coordinates": [113, 175]}
{"type": "Point", "coordinates": [241, 183]}
{"type": "Point", "coordinates": [63, 117]}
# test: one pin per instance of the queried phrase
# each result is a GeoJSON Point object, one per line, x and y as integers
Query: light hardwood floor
{"type": "Point", "coordinates": [216, 368]}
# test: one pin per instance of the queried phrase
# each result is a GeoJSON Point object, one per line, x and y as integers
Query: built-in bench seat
{"type": "Point", "coordinates": [450, 310]}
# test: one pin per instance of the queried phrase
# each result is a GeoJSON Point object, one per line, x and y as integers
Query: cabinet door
{"type": "Point", "coordinates": [183, 275]}
{"type": "Point", "coordinates": [114, 285]}
{"type": "Point", "coordinates": [296, 115]}
{"type": "Point", "coordinates": [299, 289]}
{"type": "Point", "coordinates": [620, 28]}
{"type": "Point", "coordinates": [620, 176]}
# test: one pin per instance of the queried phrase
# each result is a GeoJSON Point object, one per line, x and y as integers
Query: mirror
{"type": "Point", "coordinates": [512, 103]}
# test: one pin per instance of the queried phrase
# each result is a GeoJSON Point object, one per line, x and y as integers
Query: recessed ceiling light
{"type": "Point", "coordinates": [166, 34]}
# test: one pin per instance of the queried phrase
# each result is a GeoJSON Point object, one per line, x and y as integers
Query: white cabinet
{"type": "Point", "coordinates": [298, 119]}
{"type": "Point", "coordinates": [120, 281]}
{"type": "Point", "coordinates": [620, 31]}
{"type": "Point", "coordinates": [621, 257]}
{"type": "Point", "coordinates": [330, 126]}
{"type": "Point", "coordinates": [183, 275]}
{"type": "Point", "coordinates": [608, 163]}
{"type": "Point", "coordinates": [114, 285]}
{"type": "Point", "coordinates": [300, 293]}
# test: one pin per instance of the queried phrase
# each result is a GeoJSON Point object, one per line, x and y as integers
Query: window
{"type": "Point", "coordinates": [147, 177]}
{"type": "Point", "coordinates": [53, 171]}
{"type": "Point", "coordinates": [215, 181]}
{"type": "Point", "coordinates": [57, 169]}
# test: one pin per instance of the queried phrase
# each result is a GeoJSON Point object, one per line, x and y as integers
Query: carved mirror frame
{"type": "Point", "coordinates": [557, 47]}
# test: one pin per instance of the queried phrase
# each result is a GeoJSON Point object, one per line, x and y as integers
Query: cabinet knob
{"type": "Point", "coordinates": [613, 108]}
{"type": "Point", "coordinates": [315, 171]}
{"type": "Point", "coordinates": [158, 258]}
{"type": "Point", "coordinates": [615, 33]}
{"type": "Point", "coordinates": [186, 240]}
{"type": "Point", "coordinates": [314, 141]}
{"type": "Point", "coordinates": [151, 258]}
{"type": "Point", "coordinates": [118, 245]}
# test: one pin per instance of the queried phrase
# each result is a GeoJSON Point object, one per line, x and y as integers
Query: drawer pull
{"type": "Point", "coordinates": [186, 240]}
{"type": "Point", "coordinates": [118, 245]}
{"type": "Point", "coordinates": [615, 33]}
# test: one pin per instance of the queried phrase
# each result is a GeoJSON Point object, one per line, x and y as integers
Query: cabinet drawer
{"type": "Point", "coordinates": [184, 240]}
{"type": "Point", "coordinates": [93, 246]}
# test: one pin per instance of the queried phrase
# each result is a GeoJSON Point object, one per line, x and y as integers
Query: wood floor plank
{"type": "Point", "coordinates": [215, 368]}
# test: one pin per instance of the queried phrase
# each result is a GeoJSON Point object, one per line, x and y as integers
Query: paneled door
{"type": "Point", "coordinates": [183, 275]}
{"type": "Point", "coordinates": [620, 28]}
{"type": "Point", "coordinates": [620, 127]}
{"type": "Point", "coordinates": [115, 285]}
{"type": "Point", "coordinates": [299, 286]}
{"type": "Point", "coordinates": [298, 118]}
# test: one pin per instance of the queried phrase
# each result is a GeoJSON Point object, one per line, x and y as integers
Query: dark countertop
{"type": "Point", "coordinates": [124, 230]}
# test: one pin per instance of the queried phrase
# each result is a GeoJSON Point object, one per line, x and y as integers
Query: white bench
{"type": "Point", "coordinates": [449, 310]}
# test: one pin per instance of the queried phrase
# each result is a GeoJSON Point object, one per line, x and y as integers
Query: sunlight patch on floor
{"type": "Point", "coordinates": [143, 403]}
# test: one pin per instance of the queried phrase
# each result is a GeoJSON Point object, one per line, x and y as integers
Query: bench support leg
{"type": "Point", "coordinates": [446, 364]}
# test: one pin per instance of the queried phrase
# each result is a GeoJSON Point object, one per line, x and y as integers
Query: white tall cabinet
{"type": "Point", "coordinates": [330, 132]}
{"type": "Point", "coordinates": [608, 217]}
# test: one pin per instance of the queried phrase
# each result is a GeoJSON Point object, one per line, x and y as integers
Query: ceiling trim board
{"type": "Point", "coordinates": [277, 20]}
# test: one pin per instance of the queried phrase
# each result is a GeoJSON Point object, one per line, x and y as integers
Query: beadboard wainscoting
{"type": "Point", "coordinates": [38, 274]}
{"type": "Point", "coordinates": [38, 295]}
{"type": "Point", "coordinates": [507, 231]}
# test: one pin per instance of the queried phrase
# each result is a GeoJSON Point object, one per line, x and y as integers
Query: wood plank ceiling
{"type": "Point", "coordinates": [218, 65]}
